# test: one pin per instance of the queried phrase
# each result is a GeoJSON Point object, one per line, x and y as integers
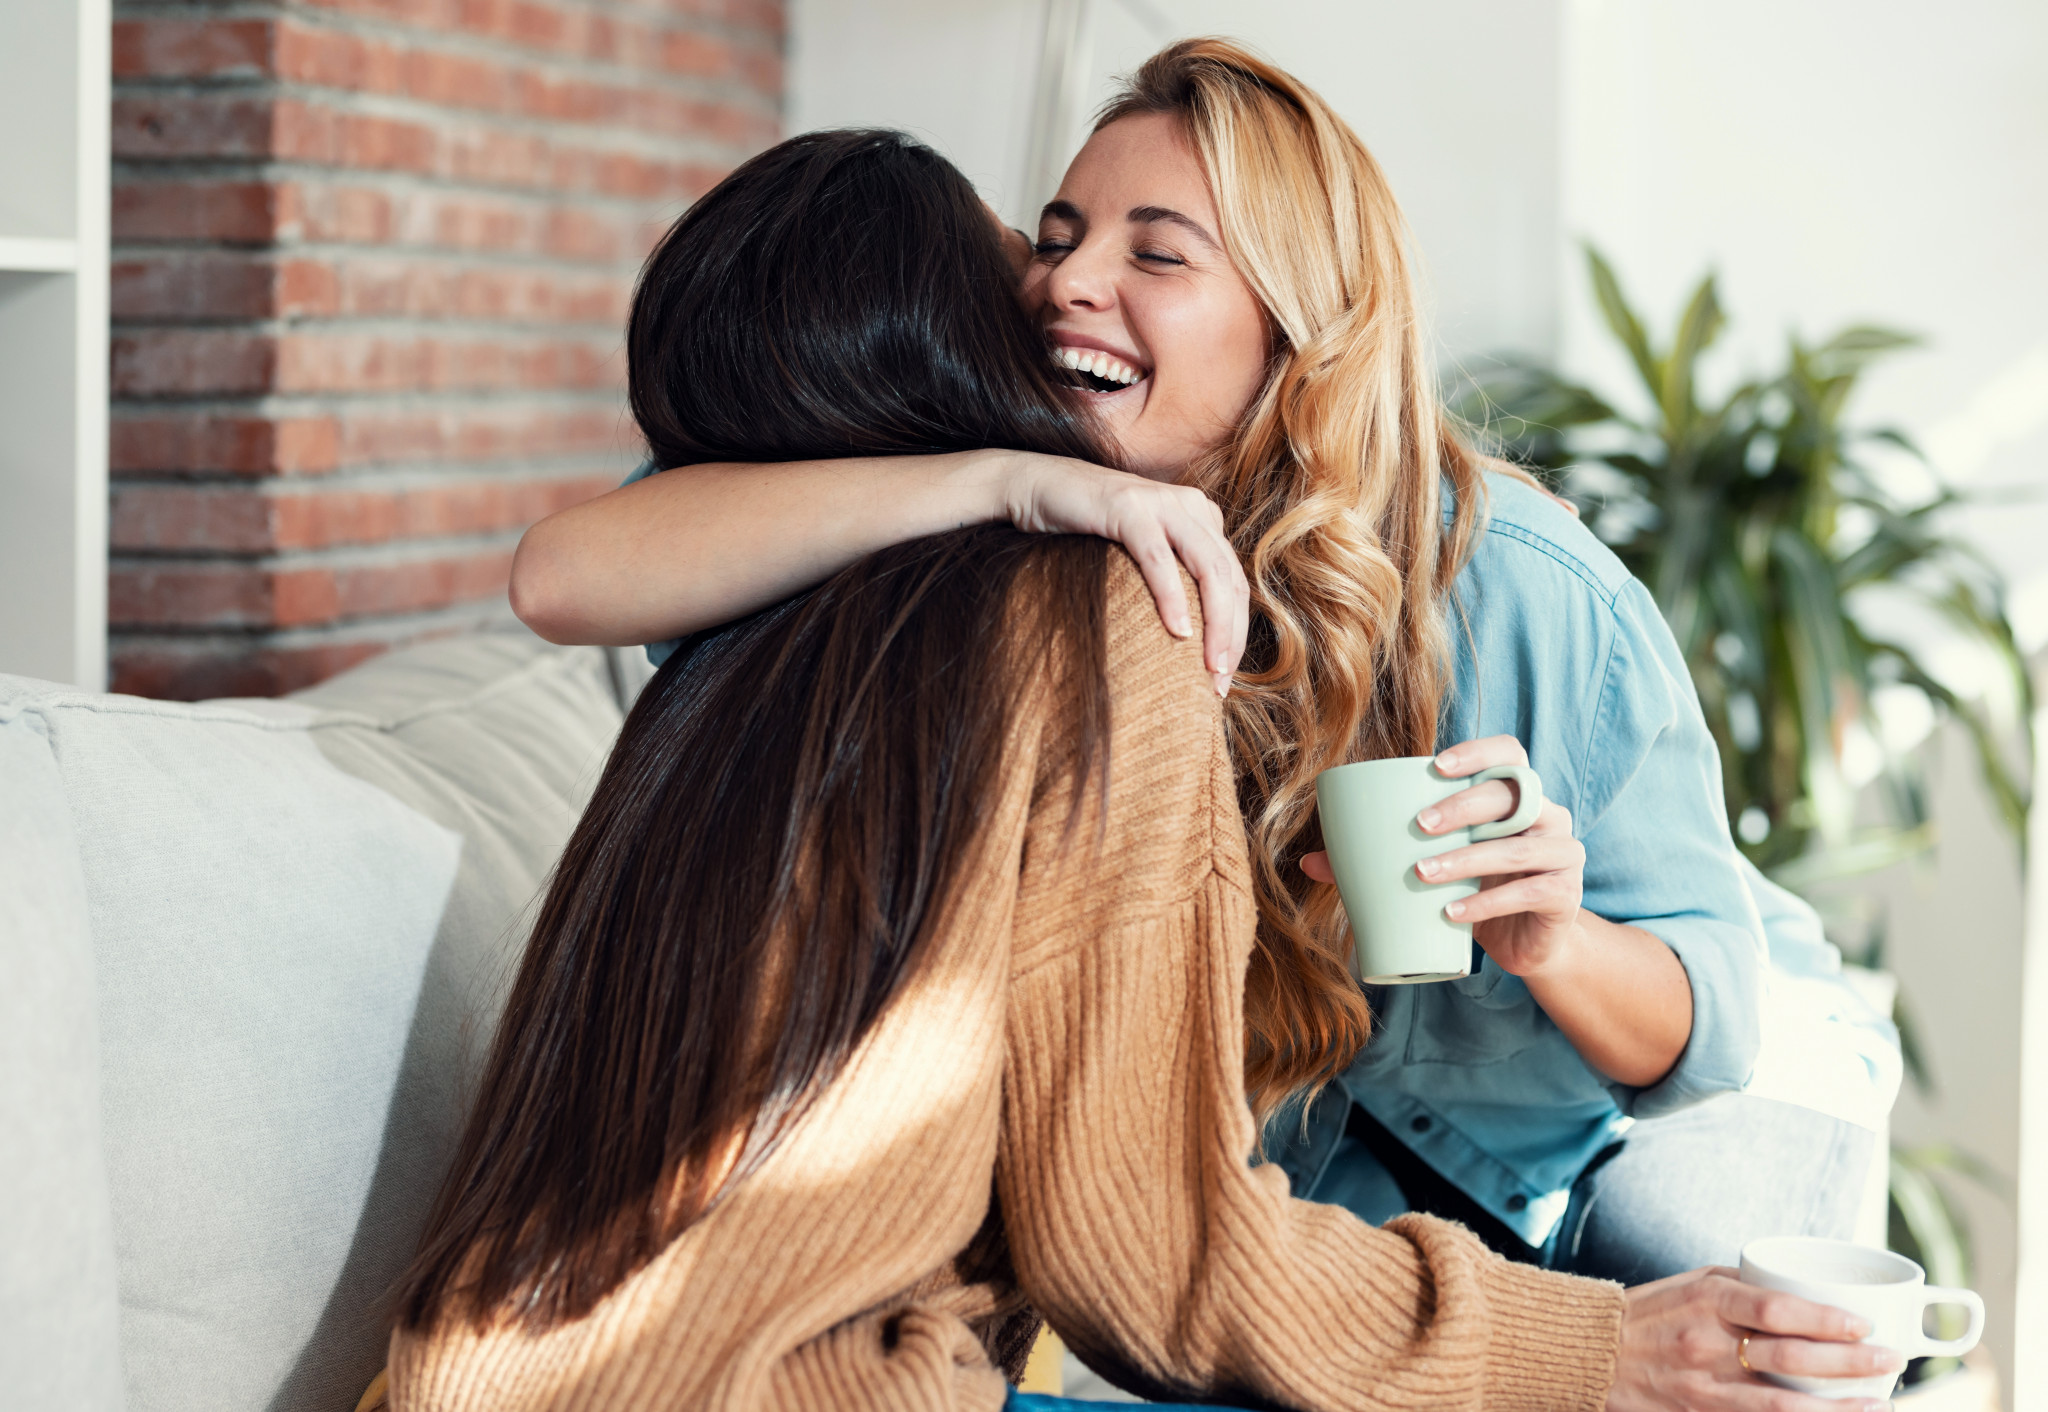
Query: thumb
{"type": "Point", "coordinates": [1317, 866]}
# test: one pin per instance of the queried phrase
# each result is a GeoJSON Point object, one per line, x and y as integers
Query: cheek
{"type": "Point", "coordinates": [1218, 360]}
{"type": "Point", "coordinates": [1033, 292]}
{"type": "Point", "coordinates": [1243, 354]}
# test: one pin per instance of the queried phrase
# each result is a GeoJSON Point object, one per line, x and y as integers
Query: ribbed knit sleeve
{"type": "Point", "coordinates": [1136, 1221]}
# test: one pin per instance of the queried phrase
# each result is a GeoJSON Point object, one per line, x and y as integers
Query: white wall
{"type": "Point", "coordinates": [958, 73]}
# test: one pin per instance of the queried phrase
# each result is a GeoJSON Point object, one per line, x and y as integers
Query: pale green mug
{"type": "Point", "coordinates": [1399, 932]}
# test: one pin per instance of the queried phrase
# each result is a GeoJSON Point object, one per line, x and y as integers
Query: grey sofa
{"type": "Point", "coordinates": [250, 954]}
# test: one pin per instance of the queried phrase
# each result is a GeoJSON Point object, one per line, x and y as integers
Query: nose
{"type": "Point", "coordinates": [1085, 279]}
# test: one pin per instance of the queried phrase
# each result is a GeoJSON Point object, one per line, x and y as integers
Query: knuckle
{"type": "Point", "coordinates": [1132, 500]}
{"type": "Point", "coordinates": [1697, 1344]}
{"type": "Point", "coordinates": [1774, 1311]}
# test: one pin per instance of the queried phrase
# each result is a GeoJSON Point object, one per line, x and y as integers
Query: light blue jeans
{"type": "Point", "coordinates": [1692, 1188]}
{"type": "Point", "coordinates": [1678, 1192]}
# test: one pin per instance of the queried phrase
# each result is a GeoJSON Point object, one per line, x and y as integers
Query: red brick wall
{"type": "Point", "coordinates": [371, 265]}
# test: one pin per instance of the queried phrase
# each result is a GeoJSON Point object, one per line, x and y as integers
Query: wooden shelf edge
{"type": "Point", "coordinates": [30, 255]}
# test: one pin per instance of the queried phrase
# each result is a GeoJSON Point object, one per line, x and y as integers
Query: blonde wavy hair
{"type": "Point", "coordinates": [1332, 486]}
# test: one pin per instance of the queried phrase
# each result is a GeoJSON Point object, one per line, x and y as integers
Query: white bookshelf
{"type": "Point", "coordinates": [53, 339]}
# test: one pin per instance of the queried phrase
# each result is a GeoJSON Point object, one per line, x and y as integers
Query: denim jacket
{"type": "Point", "coordinates": [1561, 648]}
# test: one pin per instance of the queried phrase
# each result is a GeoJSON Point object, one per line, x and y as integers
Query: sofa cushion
{"type": "Point", "coordinates": [303, 913]}
{"type": "Point", "coordinates": [59, 1329]}
{"type": "Point", "coordinates": [499, 738]}
{"type": "Point", "coordinates": [260, 924]}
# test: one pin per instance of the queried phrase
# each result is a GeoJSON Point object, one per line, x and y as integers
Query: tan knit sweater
{"type": "Point", "coordinates": [1075, 1045]}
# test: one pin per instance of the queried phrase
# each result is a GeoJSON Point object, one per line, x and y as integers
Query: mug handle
{"type": "Point", "coordinates": [1952, 1347]}
{"type": "Point", "coordinates": [1528, 785]}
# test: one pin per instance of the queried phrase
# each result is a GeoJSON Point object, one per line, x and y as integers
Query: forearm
{"type": "Point", "coordinates": [1622, 998]}
{"type": "Point", "coordinates": [702, 545]}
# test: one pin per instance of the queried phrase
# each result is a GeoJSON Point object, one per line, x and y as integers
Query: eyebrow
{"type": "Point", "coordinates": [1138, 215]}
{"type": "Point", "coordinates": [1150, 215]}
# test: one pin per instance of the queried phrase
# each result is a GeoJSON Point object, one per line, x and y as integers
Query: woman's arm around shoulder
{"type": "Point", "coordinates": [697, 546]}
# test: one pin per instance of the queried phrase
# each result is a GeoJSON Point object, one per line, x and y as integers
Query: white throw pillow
{"type": "Point", "coordinates": [260, 925]}
{"type": "Point", "coordinates": [302, 915]}
{"type": "Point", "coordinates": [59, 1326]}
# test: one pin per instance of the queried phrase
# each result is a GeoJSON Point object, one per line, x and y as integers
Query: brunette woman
{"type": "Point", "coordinates": [891, 991]}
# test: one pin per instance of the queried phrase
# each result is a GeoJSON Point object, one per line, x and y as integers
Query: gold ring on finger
{"type": "Point", "coordinates": [1742, 1354]}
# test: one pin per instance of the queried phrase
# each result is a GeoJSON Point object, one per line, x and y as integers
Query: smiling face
{"type": "Point", "coordinates": [1131, 281]}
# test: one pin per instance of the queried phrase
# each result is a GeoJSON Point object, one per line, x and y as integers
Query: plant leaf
{"type": "Point", "coordinates": [1698, 326]}
{"type": "Point", "coordinates": [1622, 321]}
{"type": "Point", "coordinates": [1865, 853]}
{"type": "Point", "coordinates": [1933, 1157]}
{"type": "Point", "coordinates": [1937, 1230]}
{"type": "Point", "coordinates": [1818, 651]}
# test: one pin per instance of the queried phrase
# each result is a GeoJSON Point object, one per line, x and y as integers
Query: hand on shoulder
{"type": "Point", "coordinates": [1162, 526]}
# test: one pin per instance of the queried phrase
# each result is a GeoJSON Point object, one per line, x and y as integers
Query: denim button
{"type": "Point", "coordinates": [1420, 1125]}
{"type": "Point", "coordinates": [1517, 1202]}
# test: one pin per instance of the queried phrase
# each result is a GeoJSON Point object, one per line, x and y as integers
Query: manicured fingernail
{"type": "Point", "coordinates": [1429, 818]}
{"type": "Point", "coordinates": [1454, 909]}
{"type": "Point", "coordinates": [1448, 760]}
{"type": "Point", "coordinates": [1429, 867]}
{"type": "Point", "coordinates": [1223, 683]}
{"type": "Point", "coordinates": [1179, 627]}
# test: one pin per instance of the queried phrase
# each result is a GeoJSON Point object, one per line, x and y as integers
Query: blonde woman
{"type": "Point", "coordinates": [1223, 274]}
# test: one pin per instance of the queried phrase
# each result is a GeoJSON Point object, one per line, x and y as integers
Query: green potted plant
{"type": "Point", "coordinates": [1779, 557]}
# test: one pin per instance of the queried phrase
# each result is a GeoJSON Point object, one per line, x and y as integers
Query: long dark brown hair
{"type": "Point", "coordinates": [791, 803]}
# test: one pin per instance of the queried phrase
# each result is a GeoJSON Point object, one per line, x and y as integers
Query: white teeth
{"type": "Point", "coordinates": [1102, 365]}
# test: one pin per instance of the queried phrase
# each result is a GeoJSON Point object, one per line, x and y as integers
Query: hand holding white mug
{"type": "Point", "coordinates": [1527, 909]}
{"type": "Point", "coordinates": [1881, 1288]}
{"type": "Point", "coordinates": [1703, 1340]}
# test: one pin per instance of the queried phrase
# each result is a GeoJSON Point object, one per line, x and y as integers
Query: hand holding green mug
{"type": "Point", "coordinates": [1422, 849]}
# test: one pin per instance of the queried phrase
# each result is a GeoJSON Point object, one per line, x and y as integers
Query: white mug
{"type": "Point", "coordinates": [1884, 1287]}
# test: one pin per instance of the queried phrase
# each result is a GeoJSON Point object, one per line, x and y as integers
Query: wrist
{"type": "Point", "coordinates": [1563, 959]}
{"type": "Point", "coordinates": [991, 486]}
